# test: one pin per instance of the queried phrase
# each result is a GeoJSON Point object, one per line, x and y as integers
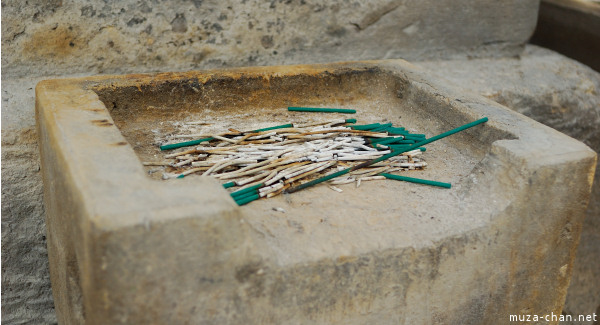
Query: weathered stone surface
{"type": "Point", "coordinates": [25, 281]}
{"type": "Point", "coordinates": [560, 93]}
{"type": "Point", "coordinates": [127, 249]}
{"type": "Point", "coordinates": [26, 294]}
{"type": "Point", "coordinates": [63, 37]}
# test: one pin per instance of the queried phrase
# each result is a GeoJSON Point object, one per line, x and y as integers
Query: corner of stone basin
{"type": "Point", "coordinates": [90, 152]}
{"type": "Point", "coordinates": [538, 146]}
{"type": "Point", "coordinates": [535, 143]}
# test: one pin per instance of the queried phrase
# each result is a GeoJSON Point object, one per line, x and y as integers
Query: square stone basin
{"type": "Point", "coordinates": [126, 247]}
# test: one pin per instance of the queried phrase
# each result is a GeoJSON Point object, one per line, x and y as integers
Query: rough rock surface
{"type": "Point", "coordinates": [64, 37]}
{"type": "Point", "coordinates": [26, 294]}
{"type": "Point", "coordinates": [565, 95]}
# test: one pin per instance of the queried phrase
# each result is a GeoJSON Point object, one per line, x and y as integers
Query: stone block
{"type": "Point", "coordinates": [125, 248]}
{"type": "Point", "coordinates": [67, 37]}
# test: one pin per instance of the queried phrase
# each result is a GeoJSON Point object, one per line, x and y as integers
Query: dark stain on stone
{"type": "Point", "coordinates": [48, 6]}
{"type": "Point", "coordinates": [278, 25]}
{"type": "Point", "coordinates": [103, 122]}
{"type": "Point", "coordinates": [88, 11]}
{"type": "Point", "coordinates": [267, 41]}
{"type": "Point", "coordinates": [197, 3]}
{"type": "Point", "coordinates": [336, 31]}
{"type": "Point", "coordinates": [145, 8]}
{"type": "Point", "coordinates": [179, 24]}
{"type": "Point", "coordinates": [250, 274]}
{"type": "Point", "coordinates": [402, 87]}
{"type": "Point", "coordinates": [200, 56]}
{"type": "Point", "coordinates": [136, 21]}
{"type": "Point", "coordinates": [204, 279]}
{"type": "Point", "coordinates": [36, 17]}
{"type": "Point", "coordinates": [299, 228]}
{"type": "Point", "coordinates": [120, 143]}
{"type": "Point", "coordinates": [245, 272]}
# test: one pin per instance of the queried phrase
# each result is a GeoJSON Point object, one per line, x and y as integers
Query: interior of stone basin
{"type": "Point", "coordinates": [147, 114]}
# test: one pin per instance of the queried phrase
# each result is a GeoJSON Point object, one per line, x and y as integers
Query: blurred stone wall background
{"type": "Point", "coordinates": [479, 44]}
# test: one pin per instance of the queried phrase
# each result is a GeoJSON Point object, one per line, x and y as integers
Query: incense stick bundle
{"type": "Point", "coordinates": [266, 162]}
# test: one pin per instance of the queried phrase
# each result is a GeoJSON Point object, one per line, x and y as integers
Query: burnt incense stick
{"type": "Point", "coordinates": [392, 154]}
{"type": "Point", "coordinates": [196, 142]}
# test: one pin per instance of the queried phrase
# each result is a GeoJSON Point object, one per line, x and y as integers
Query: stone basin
{"type": "Point", "coordinates": [126, 247]}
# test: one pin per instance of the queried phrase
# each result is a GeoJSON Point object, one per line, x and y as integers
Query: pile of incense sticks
{"type": "Point", "coordinates": [288, 155]}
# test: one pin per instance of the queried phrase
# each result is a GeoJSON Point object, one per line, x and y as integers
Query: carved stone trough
{"type": "Point", "coordinates": [127, 248]}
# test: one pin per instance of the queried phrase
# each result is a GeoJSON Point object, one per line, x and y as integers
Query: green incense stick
{"type": "Point", "coordinates": [394, 147]}
{"type": "Point", "coordinates": [416, 180]}
{"type": "Point", "coordinates": [384, 157]}
{"type": "Point", "coordinates": [245, 195]}
{"type": "Point", "coordinates": [246, 190]}
{"type": "Point", "coordinates": [229, 184]}
{"type": "Point", "coordinates": [417, 137]}
{"type": "Point", "coordinates": [397, 131]}
{"type": "Point", "coordinates": [272, 128]}
{"type": "Point", "coordinates": [247, 199]}
{"type": "Point", "coordinates": [184, 144]}
{"type": "Point", "coordinates": [365, 127]}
